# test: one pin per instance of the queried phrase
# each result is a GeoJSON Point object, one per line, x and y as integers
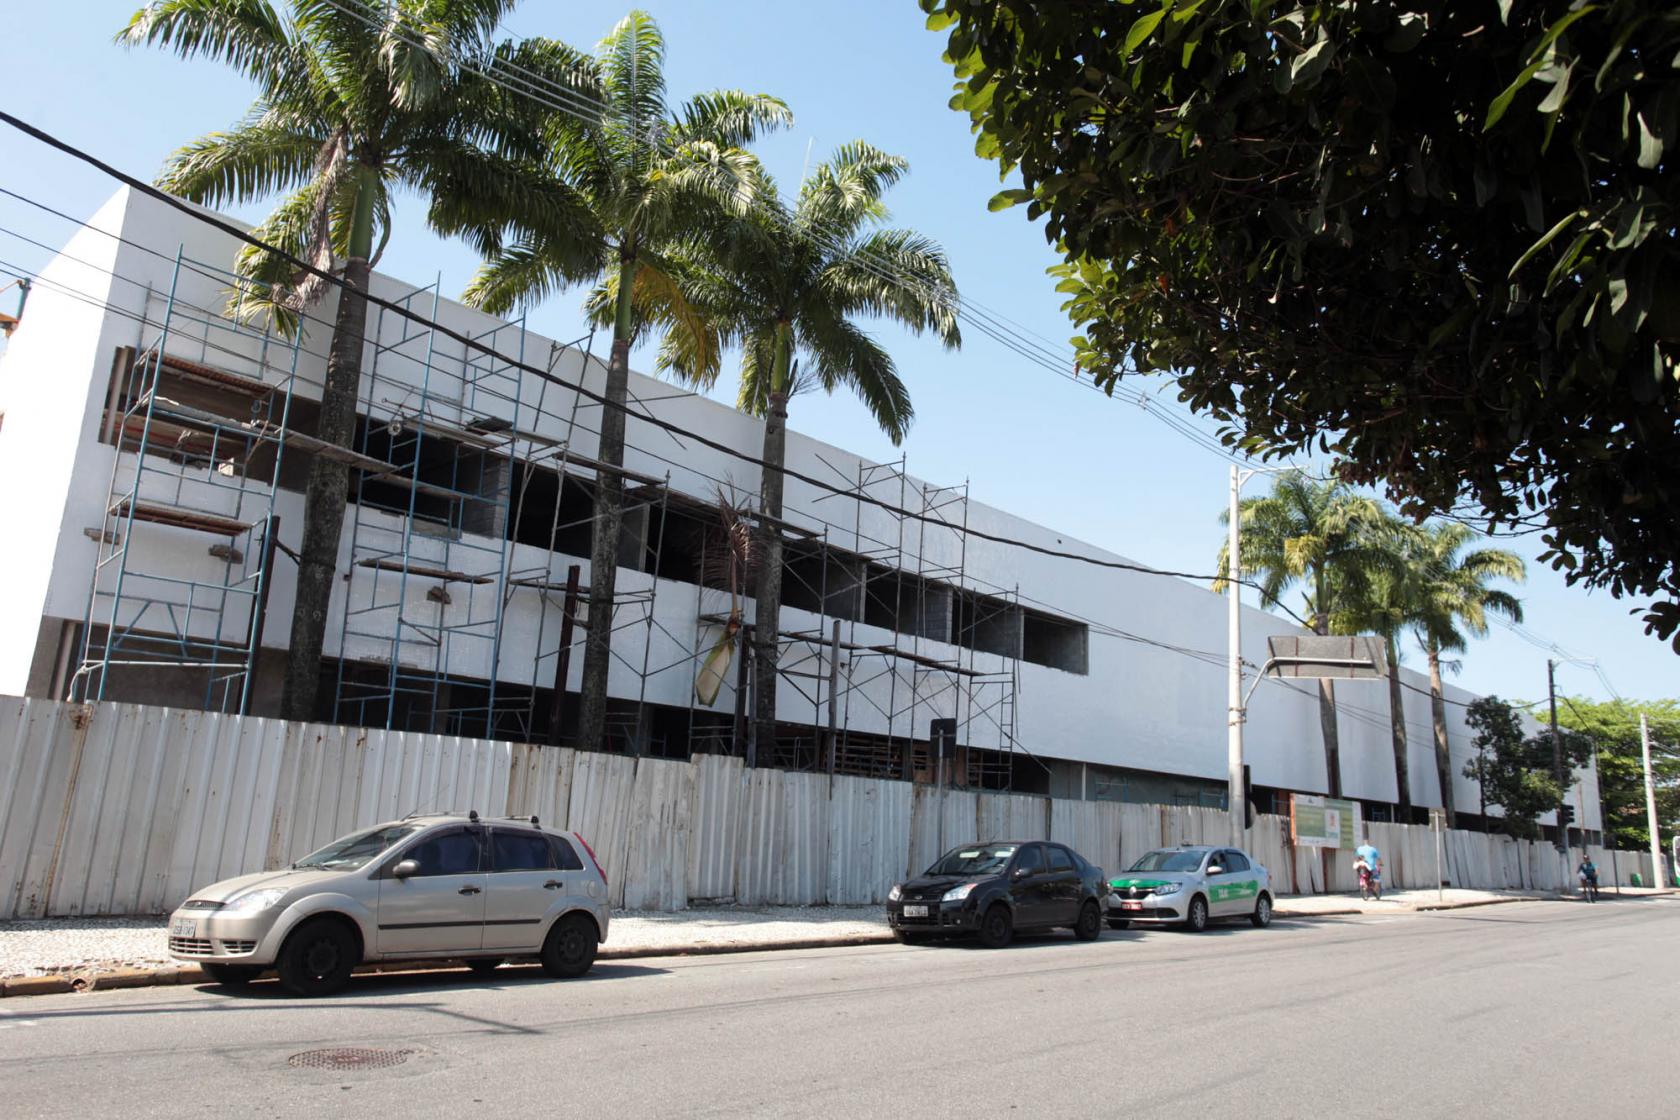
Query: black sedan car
{"type": "Point", "coordinates": [994, 889]}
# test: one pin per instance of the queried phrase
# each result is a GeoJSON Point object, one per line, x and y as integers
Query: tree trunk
{"type": "Point", "coordinates": [1438, 713]}
{"type": "Point", "coordinates": [327, 489]}
{"type": "Point", "coordinates": [767, 616]}
{"type": "Point", "coordinates": [1397, 729]}
{"type": "Point", "coordinates": [609, 520]}
{"type": "Point", "coordinates": [1327, 718]}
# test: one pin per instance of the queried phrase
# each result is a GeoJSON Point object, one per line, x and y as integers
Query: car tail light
{"type": "Point", "coordinates": [598, 868]}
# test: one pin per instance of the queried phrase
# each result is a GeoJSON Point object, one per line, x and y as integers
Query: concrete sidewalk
{"type": "Point", "coordinates": [78, 954]}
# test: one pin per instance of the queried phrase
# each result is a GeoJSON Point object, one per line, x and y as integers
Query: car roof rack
{"type": "Point", "coordinates": [532, 818]}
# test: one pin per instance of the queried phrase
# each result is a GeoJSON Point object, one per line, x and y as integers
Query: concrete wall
{"type": "Point", "coordinates": [1138, 706]}
{"type": "Point", "coordinates": [119, 809]}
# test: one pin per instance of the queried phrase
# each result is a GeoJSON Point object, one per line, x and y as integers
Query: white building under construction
{"type": "Point", "coordinates": [155, 452]}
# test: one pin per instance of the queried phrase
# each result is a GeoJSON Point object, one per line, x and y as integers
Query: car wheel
{"type": "Point", "coordinates": [231, 975]}
{"type": "Point", "coordinates": [570, 948]}
{"type": "Point", "coordinates": [317, 958]}
{"type": "Point", "coordinates": [908, 937]}
{"type": "Point", "coordinates": [1119, 923]}
{"type": "Point", "coordinates": [1262, 916]}
{"type": "Point", "coordinates": [1196, 919]}
{"type": "Point", "coordinates": [997, 927]}
{"type": "Point", "coordinates": [1089, 924]}
{"type": "Point", "coordinates": [485, 965]}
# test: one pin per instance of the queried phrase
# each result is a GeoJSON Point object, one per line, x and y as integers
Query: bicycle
{"type": "Point", "coordinates": [1589, 889]}
{"type": "Point", "coordinates": [1370, 885]}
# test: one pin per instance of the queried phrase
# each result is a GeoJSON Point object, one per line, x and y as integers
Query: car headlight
{"type": "Point", "coordinates": [253, 901]}
{"type": "Point", "coordinates": [957, 893]}
{"type": "Point", "coordinates": [1169, 888]}
{"type": "Point", "coordinates": [895, 894]}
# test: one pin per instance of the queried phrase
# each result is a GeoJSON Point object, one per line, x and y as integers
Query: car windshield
{"type": "Point", "coordinates": [354, 851]}
{"type": "Point", "coordinates": [981, 859]}
{"type": "Point", "coordinates": [1169, 861]}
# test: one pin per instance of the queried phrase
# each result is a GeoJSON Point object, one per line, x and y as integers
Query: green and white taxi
{"type": "Point", "coordinates": [1192, 884]}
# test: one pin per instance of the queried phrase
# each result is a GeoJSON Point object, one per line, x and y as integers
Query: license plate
{"type": "Point", "coordinates": [915, 912]}
{"type": "Point", "coordinates": [183, 927]}
{"type": "Point", "coordinates": [1131, 906]}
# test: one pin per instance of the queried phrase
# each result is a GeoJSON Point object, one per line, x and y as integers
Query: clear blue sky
{"type": "Point", "coordinates": [1026, 440]}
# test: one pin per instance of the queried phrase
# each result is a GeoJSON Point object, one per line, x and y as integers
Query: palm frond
{"type": "Point", "coordinates": [254, 160]}
{"type": "Point", "coordinates": [248, 35]}
{"type": "Point", "coordinates": [632, 61]}
{"type": "Point", "coordinates": [730, 118]}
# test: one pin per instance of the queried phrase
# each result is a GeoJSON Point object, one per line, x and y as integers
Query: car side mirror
{"type": "Point", "coordinates": [1021, 873]}
{"type": "Point", "coordinates": [405, 868]}
{"type": "Point", "coordinates": [1215, 869]}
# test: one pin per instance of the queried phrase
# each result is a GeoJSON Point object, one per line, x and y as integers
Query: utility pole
{"type": "Point", "coordinates": [1557, 771]}
{"type": "Point", "coordinates": [1651, 803]}
{"type": "Point", "coordinates": [1234, 713]}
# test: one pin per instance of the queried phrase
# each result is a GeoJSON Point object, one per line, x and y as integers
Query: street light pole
{"type": "Point", "coordinates": [1650, 803]}
{"type": "Point", "coordinates": [1234, 798]}
{"type": "Point", "coordinates": [1557, 774]}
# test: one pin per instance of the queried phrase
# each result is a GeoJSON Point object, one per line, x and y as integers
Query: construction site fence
{"type": "Point", "coordinates": [120, 809]}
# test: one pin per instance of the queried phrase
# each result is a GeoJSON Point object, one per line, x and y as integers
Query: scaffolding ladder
{"type": "Point", "coordinates": [189, 476]}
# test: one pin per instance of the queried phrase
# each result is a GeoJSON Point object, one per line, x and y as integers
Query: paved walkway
{"type": "Point", "coordinates": [57, 945]}
{"type": "Point", "coordinates": [95, 946]}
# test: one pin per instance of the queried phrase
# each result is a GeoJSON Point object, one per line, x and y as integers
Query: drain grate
{"type": "Point", "coordinates": [349, 1057]}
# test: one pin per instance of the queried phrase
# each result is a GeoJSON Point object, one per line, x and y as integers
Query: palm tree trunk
{"type": "Point", "coordinates": [1397, 728]}
{"type": "Point", "coordinates": [1438, 714]}
{"type": "Point", "coordinates": [609, 521]}
{"type": "Point", "coordinates": [767, 615]}
{"type": "Point", "coordinates": [327, 489]}
{"type": "Point", "coordinates": [1327, 706]}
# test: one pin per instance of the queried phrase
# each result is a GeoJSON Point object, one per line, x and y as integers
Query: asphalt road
{"type": "Point", "coordinates": [1517, 1010]}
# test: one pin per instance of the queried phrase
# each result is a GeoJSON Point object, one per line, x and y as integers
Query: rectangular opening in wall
{"type": "Point", "coordinates": [1056, 642]}
{"type": "Point", "coordinates": [819, 580]}
{"type": "Point", "coordinates": [551, 512]}
{"type": "Point", "coordinates": [987, 624]}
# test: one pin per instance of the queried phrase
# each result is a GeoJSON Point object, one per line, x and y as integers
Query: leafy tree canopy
{"type": "Point", "coordinates": [1434, 240]}
{"type": "Point", "coordinates": [1514, 771]}
{"type": "Point", "coordinates": [1621, 769]}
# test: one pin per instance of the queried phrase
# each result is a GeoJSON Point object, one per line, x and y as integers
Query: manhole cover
{"type": "Point", "coordinates": [348, 1057]}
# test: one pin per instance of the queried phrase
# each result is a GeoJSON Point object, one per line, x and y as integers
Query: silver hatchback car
{"type": "Point", "coordinates": [421, 887]}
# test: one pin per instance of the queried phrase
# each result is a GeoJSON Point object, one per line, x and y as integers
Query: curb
{"type": "Point", "coordinates": [87, 981]}
{"type": "Point", "coordinates": [64, 983]}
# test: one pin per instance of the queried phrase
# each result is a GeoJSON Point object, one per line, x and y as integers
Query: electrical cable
{"type": "Point", "coordinates": [514, 363]}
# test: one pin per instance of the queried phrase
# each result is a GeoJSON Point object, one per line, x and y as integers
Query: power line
{"type": "Point", "coordinates": [515, 363]}
{"type": "Point", "coordinates": [545, 92]}
{"type": "Point", "coordinates": [1101, 628]}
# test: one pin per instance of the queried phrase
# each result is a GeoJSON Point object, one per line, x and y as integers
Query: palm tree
{"type": "Point", "coordinates": [1385, 603]}
{"type": "Point", "coordinates": [647, 179]}
{"type": "Point", "coordinates": [348, 110]}
{"type": "Point", "coordinates": [786, 288]}
{"type": "Point", "coordinates": [1452, 603]}
{"type": "Point", "coordinates": [1315, 535]}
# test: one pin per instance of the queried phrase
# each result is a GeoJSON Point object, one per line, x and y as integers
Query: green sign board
{"type": "Point", "coordinates": [1323, 822]}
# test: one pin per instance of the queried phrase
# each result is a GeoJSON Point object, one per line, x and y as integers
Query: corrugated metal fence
{"type": "Point", "coordinates": [122, 809]}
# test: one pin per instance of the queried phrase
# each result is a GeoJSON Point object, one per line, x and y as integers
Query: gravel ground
{"type": "Point", "coordinates": [100, 944]}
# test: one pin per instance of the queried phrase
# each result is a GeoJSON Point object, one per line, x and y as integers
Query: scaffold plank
{"type": "Point", "coordinates": [159, 514]}
{"type": "Point", "coordinates": [444, 575]}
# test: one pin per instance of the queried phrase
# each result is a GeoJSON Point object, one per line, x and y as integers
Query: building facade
{"type": "Point", "coordinates": [156, 452]}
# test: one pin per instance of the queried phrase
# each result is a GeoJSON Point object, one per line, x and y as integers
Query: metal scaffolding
{"type": "Point", "coordinates": [188, 467]}
{"type": "Point", "coordinates": [469, 506]}
{"type": "Point", "coordinates": [423, 614]}
{"type": "Point", "coordinates": [913, 583]}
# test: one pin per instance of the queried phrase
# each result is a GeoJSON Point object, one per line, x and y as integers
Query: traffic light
{"type": "Point", "coordinates": [1566, 815]}
{"type": "Point", "coordinates": [1248, 796]}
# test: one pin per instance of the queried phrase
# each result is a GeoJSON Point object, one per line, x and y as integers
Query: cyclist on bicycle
{"type": "Point", "coordinates": [1367, 863]}
{"type": "Point", "coordinates": [1588, 874]}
